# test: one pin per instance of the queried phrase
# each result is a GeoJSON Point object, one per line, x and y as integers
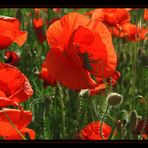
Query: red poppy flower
{"type": "Point", "coordinates": [14, 86]}
{"type": "Point", "coordinates": [19, 119]}
{"type": "Point", "coordinates": [92, 131]}
{"type": "Point", "coordinates": [38, 28]}
{"type": "Point", "coordinates": [146, 14]}
{"type": "Point", "coordinates": [11, 57]}
{"type": "Point", "coordinates": [47, 78]}
{"type": "Point", "coordinates": [133, 32]}
{"type": "Point", "coordinates": [10, 32]}
{"type": "Point", "coordinates": [79, 48]}
{"type": "Point", "coordinates": [112, 16]}
{"type": "Point", "coordinates": [130, 32]}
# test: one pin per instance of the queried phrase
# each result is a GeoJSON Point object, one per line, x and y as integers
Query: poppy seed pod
{"type": "Point", "coordinates": [114, 99]}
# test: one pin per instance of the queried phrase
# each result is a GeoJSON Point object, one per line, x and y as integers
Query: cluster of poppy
{"type": "Point", "coordinates": [82, 56]}
{"type": "Point", "coordinates": [14, 85]}
{"type": "Point", "coordinates": [100, 68]}
{"type": "Point", "coordinates": [118, 22]}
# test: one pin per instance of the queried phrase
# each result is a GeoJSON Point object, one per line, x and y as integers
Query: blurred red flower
{"type": "Point", "coordinates": [10, 32]}
{"type": "Point", "coordinates": [11, 57]}
{"type": "Point", "coordinates": [92, 131]}
{"type": "Point", "coordinates": [130, 32]}
{"type": "Point", "coordinates": [14, 86]}
{"type": "Point", "coordinates": [47, 78]}
{"type": "Point", "coordinates": [80, 50]}
{"type": "Point", "coordinates": [133, 32]}
{"type": "Point", "coordinates": [146, 14]}
{"type": "Point", "coordinates": [19, 119]}
{"type": "Point", "coordinates": [112, 16]}
{"type": "Point", "coordinates": [38, 28]}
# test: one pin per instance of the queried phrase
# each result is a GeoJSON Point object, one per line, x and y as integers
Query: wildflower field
{"type": "Point", "coordinates": [73, 74]}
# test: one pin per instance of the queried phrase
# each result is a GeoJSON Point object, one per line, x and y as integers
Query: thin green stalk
{"type": "Point", "coordinates": [103, 121]}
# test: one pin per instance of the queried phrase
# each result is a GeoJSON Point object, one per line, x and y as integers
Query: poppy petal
{"type": "Point", "coordinates": [105, 35]}
{"type": "Point", "coordinates": [23, 132]}
{"type": "Point", "coordinates": [29, 131]}
{"type": "Point", "coordinates": [5, 102]}
{"type": "Point", "coordinates": [19, 119]}
{"type": "Point", "coordinates": [92, 131]}
{"type": "Point", "coordinates": [92, 43]}
{"type": "Point", "coordinates": [5, 41]}
{"type": "Point", "coordinates": [59, 33]}
{"type": "Point", "coordinates": [10, 32]}
{"type": "Point", "coordinates": [15, 86]}
{"type": "Point", "coordinates": [67, 72]}
{"type": "Point", "coordinates": [21, 38]}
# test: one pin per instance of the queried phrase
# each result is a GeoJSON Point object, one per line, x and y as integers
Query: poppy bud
{"type": "Point", "coordinates": [114, 99]}
{"type": "Point", "coordinates": [133, 122]}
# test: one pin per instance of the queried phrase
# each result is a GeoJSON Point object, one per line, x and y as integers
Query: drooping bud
{"type": "Point", "coordinates": [133, 122]}
{"type": "Point", "coordinates": [114, 99]}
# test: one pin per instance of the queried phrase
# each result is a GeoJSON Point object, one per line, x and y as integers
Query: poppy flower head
{"type": "Point", "coordinates": [112, 16]}
{"type": "Point", "coordinates": [14, 87]}
{"type": "Point", "coordinates": [146, 14]}
{"type": "Point", "coordinates": [92, 131]}
{"type": "Point", "coordinates": [19, 120]}
{"type": "Point", "coordinates": [38, 22]}
{"type": "Point", "coordinates": [38, 28]}
{"type": "Point", "coordinates": [133, 32]}
{"type": "Point", "coordinates": [11, 57]}
{"type": "Point", "coordinates": [85, 50]}
{"type": "Point", "coordinates": [10, 32]}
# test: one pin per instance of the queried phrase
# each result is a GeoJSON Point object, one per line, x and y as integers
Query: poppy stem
{"type": "Point", "coordinates": [14, 125]}
{"type": "Point", "coordinates": [103, 121]}
{"type": "Point", "coordinates": [19, 106]}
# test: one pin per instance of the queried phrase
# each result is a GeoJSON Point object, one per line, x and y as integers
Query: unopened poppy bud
{"type": "Point", "coordinates": [114, 99]}
{"type": "Point", "coordinates": [133, 122]}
